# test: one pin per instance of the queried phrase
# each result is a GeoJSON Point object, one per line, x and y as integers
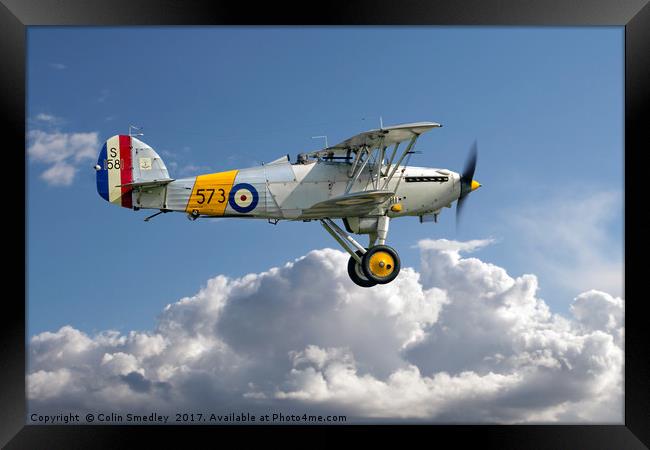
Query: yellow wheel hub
{"type": "Point", "coordinates": [381, 264]}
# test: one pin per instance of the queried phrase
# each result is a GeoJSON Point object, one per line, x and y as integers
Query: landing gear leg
{"type": "Point", "coordinates": [380, 234]}
{"type": "Point", "coordinates": [355, 250]}
{"type": "Point", "coordinates": [382, 229]}
{"type": "Point", "coordinates": [378, 264]}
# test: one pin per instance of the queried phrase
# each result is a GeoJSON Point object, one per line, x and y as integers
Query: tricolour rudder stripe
{"type": "Point", "coordinates": [102, 175]}
{"type": "Point", "coordinates": [115, 169]}
{"type": "Point", "coordinates": [113, 155]}
{"type": "Point", "coordinates": [126, 171]}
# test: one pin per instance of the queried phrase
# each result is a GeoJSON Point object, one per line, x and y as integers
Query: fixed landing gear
{"type": "Point", "coordinates": [381, 264]}
{"type": "Point", "coordinates": [367, 267]}
{"type": "Point", "coordinates": [356, 272]}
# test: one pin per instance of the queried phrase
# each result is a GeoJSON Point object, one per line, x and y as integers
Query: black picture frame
{"type": "Point", "coordinates": [634, 15]}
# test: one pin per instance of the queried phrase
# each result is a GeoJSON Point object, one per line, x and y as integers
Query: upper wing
{"type": "Point", "coordinates": [349, 205]}
{"type": "Point", "coordinates": [373, 138]}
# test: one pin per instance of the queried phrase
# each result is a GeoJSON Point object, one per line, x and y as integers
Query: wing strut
{"type": "Point", "coordinates": [370, 149]}
{"type": "Point", "coordinates": [392, 157]}
{"type": "Point", "coordinates": [379, 160]}
{"type": "Point", "coordinates": [353, 179]}
{"type": "Point", "coordinates": [397, 164]}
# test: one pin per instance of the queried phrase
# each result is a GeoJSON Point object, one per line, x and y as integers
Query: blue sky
{"type": "Point", "coordinates": [545, 104]}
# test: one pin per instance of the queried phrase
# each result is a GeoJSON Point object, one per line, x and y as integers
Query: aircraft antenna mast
{"type": "Point", "coordinates": [133, 127]}
{"type": "Point", "coordinates": [316, 137]}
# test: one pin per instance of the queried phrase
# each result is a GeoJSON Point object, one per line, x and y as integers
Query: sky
{"type": "Point", "coordinates": [545, 106]}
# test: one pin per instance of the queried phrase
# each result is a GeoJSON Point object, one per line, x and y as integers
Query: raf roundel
{"type": "Point", "coordinates": [243, 198]}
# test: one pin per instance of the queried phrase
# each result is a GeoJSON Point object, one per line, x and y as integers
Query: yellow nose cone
{"type": "Point", "coordinates": [475, 185]}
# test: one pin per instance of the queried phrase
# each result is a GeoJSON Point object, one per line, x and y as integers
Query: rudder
{"type": "Point", "coordinates": [124, 160]}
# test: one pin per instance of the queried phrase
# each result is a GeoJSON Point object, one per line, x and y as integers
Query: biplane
{"type": "Point", "coordinates": [365, 181]}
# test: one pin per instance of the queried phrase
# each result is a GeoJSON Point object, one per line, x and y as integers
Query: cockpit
{"type": "Point", "coordinates": [312, 157]}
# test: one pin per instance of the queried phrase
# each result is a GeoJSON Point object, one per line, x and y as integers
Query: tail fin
{"type": "Point", "coordinates": [124, 161]}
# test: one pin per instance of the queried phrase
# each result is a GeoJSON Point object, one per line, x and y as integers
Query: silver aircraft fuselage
{"type": "Point", "coordinates": [288, 191]}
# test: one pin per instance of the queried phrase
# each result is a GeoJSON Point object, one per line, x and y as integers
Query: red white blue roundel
{"type": "Point", "coordinates": [243, 198]}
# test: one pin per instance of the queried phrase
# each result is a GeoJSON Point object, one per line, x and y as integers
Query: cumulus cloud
{"type": "Point", "coordinates": [62, 152]}
{"type": "Point", "coordinates": [462, 341]}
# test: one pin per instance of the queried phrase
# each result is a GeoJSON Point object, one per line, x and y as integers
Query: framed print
{"type": "Point", "coordinates": [490, 302]}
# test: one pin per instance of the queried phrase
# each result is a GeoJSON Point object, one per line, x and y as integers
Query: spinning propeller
{"type": "Point", "coordinates": [467, 182]}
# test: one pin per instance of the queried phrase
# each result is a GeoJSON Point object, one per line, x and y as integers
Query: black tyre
{"type": "Point", "coordinates": [356, 273]}
{"type": "Point", "coordinates": [380, 264]}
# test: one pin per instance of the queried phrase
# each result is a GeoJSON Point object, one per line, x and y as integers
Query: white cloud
{"type": "Point", "coordinates": [60, 174]}
{"type": "Point", "coordinates": [406, 393]}
{"type": "Point", "coordinates": [121, 363]}
{"type": "Point", "coordinates": [58, 66]}
{"type": "Point", "coordinates": [48, 118]}
{"type": "Point", "coordinates": [48, 384]}
{"type": "Point", "coordinates": [454, 247]}
{"type": "Point", "coordinates": [63, 152]}
{"type": "Point", "coordinates": [596, 310]}
{"type": "Point", "coordinates": [460, 342]}
{"type": "Point", "coordinates": [569, 238]}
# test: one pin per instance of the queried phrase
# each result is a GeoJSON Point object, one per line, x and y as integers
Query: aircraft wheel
{"type": "Point", "coordinates": [356, 273]}
{"type": "Point", "coordinates": [380, 264]}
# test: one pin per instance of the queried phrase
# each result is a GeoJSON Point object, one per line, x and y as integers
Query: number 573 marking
{"type": "Point", "coordinates": [202, 199]}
